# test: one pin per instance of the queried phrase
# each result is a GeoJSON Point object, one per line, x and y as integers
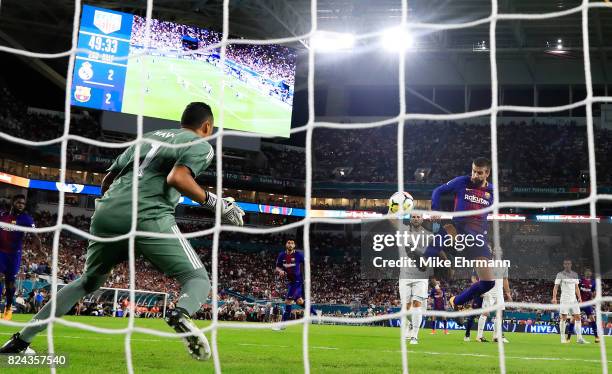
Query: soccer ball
{"type": "Point", "coordinates": [400, 202]}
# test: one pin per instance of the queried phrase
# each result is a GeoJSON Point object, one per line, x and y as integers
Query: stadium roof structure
{"type": "Point", "coordinates": [47, 26]}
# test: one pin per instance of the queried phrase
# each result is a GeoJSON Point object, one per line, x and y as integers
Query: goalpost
{"type": "Point", "coordinates": [400, 119]}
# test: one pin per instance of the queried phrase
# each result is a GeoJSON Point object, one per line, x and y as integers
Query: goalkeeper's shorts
{"type": "Point", "coordinates": [173, 256]}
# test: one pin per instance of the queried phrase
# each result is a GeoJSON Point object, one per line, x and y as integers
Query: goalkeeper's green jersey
{"type": "Point", "coordinates": [156, 199]}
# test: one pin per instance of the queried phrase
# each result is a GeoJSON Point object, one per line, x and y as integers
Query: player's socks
{"type": "Point", "coordinates": [562, 329]}
{"type": "Point", "coordinates": [578, 329]}
{"type": "Point", "coordinates": [194, 291]}
{"type": "Point", "coordinates": [417, 319]}
{"type": "Point", "coordinates": [570, 330]}
{"type": "Point", "coordinates": [287, 312]}
{"type": "Point", "coordinates": [473, 291]}
{"type": "Point", "coordinates": [469, 325]}
{"type": "Point", "coordinates": [66, 298]}
{"type": "Point", "coordinates": [10, 296]}
{"type": "Point", "coordinates": [594, 326]}
{"type": "Point", "coordinates": [482, 321]}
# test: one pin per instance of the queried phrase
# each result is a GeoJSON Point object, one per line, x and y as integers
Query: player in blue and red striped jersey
{"type": "Point", "coordinates": [289, 265]}
{"type": "Point", "coordinates": [587, 288]}
{"type": "Point", "coordinates": [11, 242]}
{"type": "Point", "coordinates": [438, 302]}
{"type": "Point", "coordinates": [472, 192]}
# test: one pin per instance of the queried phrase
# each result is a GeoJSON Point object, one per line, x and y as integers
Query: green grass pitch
{"type": "Point", "coordinates": [338, 349]}
{"type": "Point", "coordinates": [167, 97]}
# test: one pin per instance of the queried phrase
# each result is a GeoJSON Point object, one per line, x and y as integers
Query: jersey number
{"type": "Point", "coordinates": [148, 158]}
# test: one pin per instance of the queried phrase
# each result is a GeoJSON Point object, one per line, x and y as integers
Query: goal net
{"type": "Point", "coordinates": [492, 20]}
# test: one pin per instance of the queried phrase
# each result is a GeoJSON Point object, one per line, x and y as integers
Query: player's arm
{"type": "Point", "coordinates": [507, 291]}
{"type": "Point", "coordinates": [578, 296]}
{"type": "Point", "coordinates": [108, 179]}
{"type": "Point", "coordinates": [449, 186]}
{"type": "Point", "coordinates": [279, 265]}
{"type": "Point", "coordinates": [181, 178]}
{"type": "Point", "coordinates": [554, 295]}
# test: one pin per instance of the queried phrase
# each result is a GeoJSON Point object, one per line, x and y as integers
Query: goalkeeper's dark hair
{"type": "Point", "coordinates": [482, 162]}
{"type": "Point", "coordinates": [195, 114]}
{"type": "Point", "coordinates": [17, 197]}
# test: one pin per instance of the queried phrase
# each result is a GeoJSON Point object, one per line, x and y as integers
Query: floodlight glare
{"type": "Point", "coordinates": [397, 39]}
{"type": "Point", "coordinates": [328, 41]}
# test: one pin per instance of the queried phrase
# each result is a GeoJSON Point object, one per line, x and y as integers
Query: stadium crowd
{"type": "Point", "coordinates": [366, 155]}
{"type": "Point", "coordinates": [246, 268]}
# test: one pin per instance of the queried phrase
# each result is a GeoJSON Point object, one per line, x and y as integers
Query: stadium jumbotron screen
{"type": "Point", "coordinates": [259, 79]}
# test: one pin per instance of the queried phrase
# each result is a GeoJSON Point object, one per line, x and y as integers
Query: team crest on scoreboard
{"type": "Point", "coordinates": [107, 22]}
{"type": "Point", "coordinates": [69, 187]}
{"type": "Point", "coordinates": [86, 71]}
{"type": "Point", "coordinates": [82, 94]}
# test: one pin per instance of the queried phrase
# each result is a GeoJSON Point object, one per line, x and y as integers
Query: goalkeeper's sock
{"type": "Point", "coordinates": [482, 321]}
{"type": "Point", "coordinates": [287, 312]}
{"type": "Point", "coordinates": [570, 330]}
{"type": "Point", "coordinates": [66, 298]}
{"type": "Point", "coordinates": [195, 287]}
{"type": "Point", "coordinates": [473, 291]}
{"type": "Point", "coordinates": [594, 326]}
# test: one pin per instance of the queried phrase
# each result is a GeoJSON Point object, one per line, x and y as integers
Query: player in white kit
{"type": "Point", "coordinates": [492, 297]}
{"type": "Point", "coordinates": [413, 282]}
{"type": "Point", "coordinates": [570, 293]}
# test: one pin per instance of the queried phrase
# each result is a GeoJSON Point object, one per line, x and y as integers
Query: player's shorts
{"type": "Point", "coordinates": [588, 310]}
{"type": "Point", "coordinates": [436, 306]}
{"type": "Point", "coordinates": [295, 290]}
{"type": "Point", "coordinates": [477, 248]}
{"type": "Point", "coordinates": [413, 290]}
{"type": "Point", "coordinates": [569, 309]}
{"type": "Point", "coordinates": [9, 265]}
{"type": "Point", "coordinates": [173, 256]}
{"type": "Point", "coordinates": [491, 299]}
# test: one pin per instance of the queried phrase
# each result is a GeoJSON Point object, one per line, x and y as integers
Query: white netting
{"type": "Point", "coordinates": [308, 220]}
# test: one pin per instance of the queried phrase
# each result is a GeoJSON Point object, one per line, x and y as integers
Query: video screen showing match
{"type": "Point", "coordinates": [113, 72]}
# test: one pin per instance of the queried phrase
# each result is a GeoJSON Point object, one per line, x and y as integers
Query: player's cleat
{"type": "Point", "coordinates": [278, 328]}
{"type": "Point", "coordinates": [414, 341]}
{"type": "Point", "coordinates": [503, 340]}
{"type": "Point", "coordinates": [8, 315]}
{"type": "Point", "coordinates": [482, 340]}
{"type": "Point", "coordinates": [433, 332]}
{"type": "Point", "coordinates": [581, 341]}
{"type": "Point", "coordinates": [564, 341]}
{"type": "Point", "coordinates": [196, 344]}
{"type": "Point", "coordinates": [445, 332]}
{"type": "Point", "coordinates": [597, 340]}
{"type": "Point", "coordinates": [466, 338]}
{"type": "Point", "coordinates": [15, 345]}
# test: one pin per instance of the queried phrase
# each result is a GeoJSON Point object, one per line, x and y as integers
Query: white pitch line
{"type": "Point", "coordinates": [431, 353]}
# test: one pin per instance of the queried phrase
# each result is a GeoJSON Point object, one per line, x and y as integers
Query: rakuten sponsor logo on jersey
{"type": "Point", "coordinates": [476, 199]}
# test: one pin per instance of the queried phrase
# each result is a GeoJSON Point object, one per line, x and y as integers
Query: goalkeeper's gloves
{"type": "Point", "coordinates": [230, 211]}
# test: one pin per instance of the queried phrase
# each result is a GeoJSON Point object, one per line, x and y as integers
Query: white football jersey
{"type": "Point", "coordinates": [413, 273]}
{"type": "Point", "coordinates": [568, 282]}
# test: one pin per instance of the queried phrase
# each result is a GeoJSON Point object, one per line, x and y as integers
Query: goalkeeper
{"type": "Point", "coordinates": [164, 174]}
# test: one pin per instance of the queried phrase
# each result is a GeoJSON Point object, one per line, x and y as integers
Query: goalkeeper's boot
{"type": "Point", "coordinates": [196, 344]}
{"type": "Point", "coordinates": [15, 345]}
{"type": "Point", "coordinates": [8, 314]}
